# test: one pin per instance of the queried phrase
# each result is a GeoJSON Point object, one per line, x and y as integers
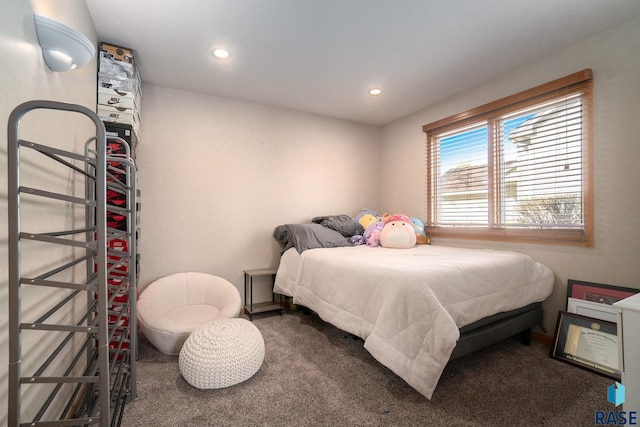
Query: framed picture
{"type": "Point", "coordinates": [598, 293]}
{"type": "Point", "coordinates": [592, 309]}
{"type": "Point", "coordinates": [588, 343]}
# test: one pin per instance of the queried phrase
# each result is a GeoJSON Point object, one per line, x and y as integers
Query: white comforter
{"type": "Point", "coordinates": [407, 304]}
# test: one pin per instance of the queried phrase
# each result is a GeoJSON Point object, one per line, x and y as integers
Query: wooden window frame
{"type": "Point", "coordinates": [578, 82]}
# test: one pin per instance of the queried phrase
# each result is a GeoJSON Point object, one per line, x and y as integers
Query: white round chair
{"type": "Point", "coordinates": [172, 307]}
{"type": "Point", "coordinates": [221, 354]}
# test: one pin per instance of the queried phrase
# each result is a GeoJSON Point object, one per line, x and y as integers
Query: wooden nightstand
{"type": "Point", "coordinates": [249, 307]}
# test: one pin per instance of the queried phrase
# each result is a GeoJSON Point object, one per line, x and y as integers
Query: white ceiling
{"type": "Point", "coordinates": [321, 56]}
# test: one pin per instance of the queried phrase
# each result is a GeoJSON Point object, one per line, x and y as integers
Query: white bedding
{"type": "Point", "coordinates": [407, 304]}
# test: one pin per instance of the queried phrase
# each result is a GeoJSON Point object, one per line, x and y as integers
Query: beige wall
{"type": "Point", "coordinates": [24, 77]}
{"type": "Point", "coordinates": [615, 59]}
{"type": "Point", "coordinates": [218, 175]}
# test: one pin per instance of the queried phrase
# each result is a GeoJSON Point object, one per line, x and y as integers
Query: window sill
{"type": "Point", "coordinates": [541, 237]}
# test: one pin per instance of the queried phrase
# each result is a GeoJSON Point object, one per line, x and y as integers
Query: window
{"type": "Point", "coordinates": [516, 169]}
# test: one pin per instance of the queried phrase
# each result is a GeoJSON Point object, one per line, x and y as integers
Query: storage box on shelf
{"type": "Point", "coordinates": [119, 93]}
{"type": "Point", "coordinates": [118, 106]}
{"type": "Point", "coordinates": [111, 113]}
{"type": "Point", "coordinates": [115, 78]}
{"type": "Point", "coordinates": [116, 98]}
{"type": "Point", "coordinates": [125, 132]}
{"type": "Point", "coordinates": [119, 53]}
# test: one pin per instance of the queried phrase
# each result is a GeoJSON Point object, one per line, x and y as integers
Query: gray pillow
{"type": "Point", "coordinates": [343, 224]}
{"type": "Point", "coordinates": [308, 236]}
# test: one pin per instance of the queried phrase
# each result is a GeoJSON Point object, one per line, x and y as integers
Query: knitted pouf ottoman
{"type": "Point", "coordinates": [221, 353]}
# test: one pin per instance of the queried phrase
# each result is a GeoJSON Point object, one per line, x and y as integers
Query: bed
{"type": "Point", "coordinates": [416, 308]}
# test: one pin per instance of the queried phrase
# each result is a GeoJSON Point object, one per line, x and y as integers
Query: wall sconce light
{"type": "Point", "coordinates": [63, 48]}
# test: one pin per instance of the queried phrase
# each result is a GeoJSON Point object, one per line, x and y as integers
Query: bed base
{"type": "Point", "coordinates": [498, 327]}
{"type": "Point", "coordinates": [492, 329]}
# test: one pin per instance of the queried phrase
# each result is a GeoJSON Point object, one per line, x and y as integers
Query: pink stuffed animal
{"type": "Point", "coordinates": [398, 233]}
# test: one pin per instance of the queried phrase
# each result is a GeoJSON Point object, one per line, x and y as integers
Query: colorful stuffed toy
{"type": "Point", "coordinates": [418, 227]}
{"type": "Point", "coordinates": [366, 217]}
{"type": "Point", "coordinates": [398, 232]}
{"type": "Point", "coordinates": [372, 233]}
{"type": "Point", "coordinates": [357, 240]}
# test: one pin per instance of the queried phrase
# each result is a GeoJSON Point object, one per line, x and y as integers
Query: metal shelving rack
{"type": "Point", "coordinates": [89, 314]}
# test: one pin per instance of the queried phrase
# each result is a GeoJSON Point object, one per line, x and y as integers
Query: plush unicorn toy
{"type": "Point", "coordinates": [372, 233]}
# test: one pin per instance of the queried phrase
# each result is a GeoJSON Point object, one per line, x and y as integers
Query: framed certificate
{"type": "Point", "coordinates": [597, 293]}
{"type": "Point", "coordinates": [588, 343]}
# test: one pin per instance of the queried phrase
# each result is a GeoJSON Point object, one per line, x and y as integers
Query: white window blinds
{"type": "Point", "coordinates": [518, 168]}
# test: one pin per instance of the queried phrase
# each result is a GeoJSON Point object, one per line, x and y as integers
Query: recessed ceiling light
{"type": "Point", "coordinates": [220, 52]}
{"type": "Point", "coordinates": [375, 91]}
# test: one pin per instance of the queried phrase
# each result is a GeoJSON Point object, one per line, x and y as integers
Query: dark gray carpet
{"type": "Point", "coordinates": [316, 375]}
